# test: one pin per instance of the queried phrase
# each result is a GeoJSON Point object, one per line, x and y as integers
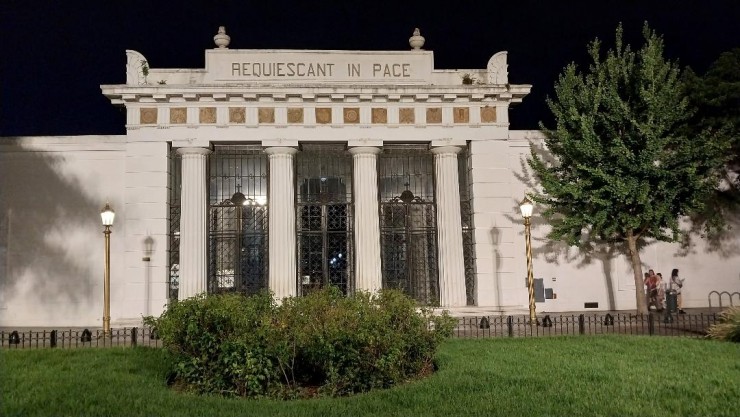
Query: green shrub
{"type": "Point", "coordinates": [728, 327]}
{"type": "Point", "coordinates": [323, 343]}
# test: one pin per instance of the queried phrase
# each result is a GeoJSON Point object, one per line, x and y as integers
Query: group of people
{"type": "Point", "coordinates": [656, 289]}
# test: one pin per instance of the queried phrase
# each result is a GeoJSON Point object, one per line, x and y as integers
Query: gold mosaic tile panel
{"type": "Point", "coordinates": [461, 115]}
{"type": "Point", "coordinates": [488, 114]}
{"type": "Point", "coordinates": [207, 115]}
{"type": "Point", "coordinates": [379, 115]}
{"type": "Point", "coordinates": [178, 115]}
{"type": "Point", "coordinates": [352, 115]}
{"type": "Point", "coordinates": [295, 115]}
{"type": "Point", "coordinates": [323, 115]}
{"type": "Point", "coordinates": [237, 115]}
{"type": "Point", "coordinates": [434, 115]}
{"type": "Point", "coordinates": [406, 115]}
{"type": "Point", "coordinates": [148, 116]}
{"type": "Point", "coordinates": [266, 115]}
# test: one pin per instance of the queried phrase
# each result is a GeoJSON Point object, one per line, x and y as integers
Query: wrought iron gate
{"type": "Point", "coordinates": [237, 229]}
{"type": "Point", "coordinates": [408, 222]}
{"type": "Point", "coordinates": [324, 217]}
{"type": "Point", "coordinates": [175, 171]}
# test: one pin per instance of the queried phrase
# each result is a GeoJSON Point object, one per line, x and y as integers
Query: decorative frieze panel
{"type": "Point", "coordinates": [434, 115]}
{"type": "Point", "coordinates": [323, 115]}
{"type": "Point", "coordinates": [406, 115]}
{"type": "Point", "coordinates": [237, 115]}
{"type": "Point", "coordinates": [379, 115]}
{"type": "Point", "coordinates": [207, 115]}
{"type": "Point", "coordinates": [392, 115]}
{"type": "Point", "coordinates": [148, 116]}
{"type": "Point", "coordinates": [461, 115]}
{"type": "Point", "coordinates": [352, 115]}
{"type": "Point", "coordinates": [488, 114]}
{"type": "Point", "coordinates": [295, 115]}
{"type": "Point", "coordinates": [266, 115]}
{"type": "Point", "coordinates": [178, 115]}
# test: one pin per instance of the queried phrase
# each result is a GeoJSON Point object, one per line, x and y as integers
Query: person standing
{"type": "Point", "coordinates": [676, 285]}
{"type": "Point", "coordinates": [661, 291]}
{"type": "Point", "coordinates": [651, 283]}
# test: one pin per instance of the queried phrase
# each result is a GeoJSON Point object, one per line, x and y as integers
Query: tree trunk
{"type": "Point", "coordinates": [634, 254]}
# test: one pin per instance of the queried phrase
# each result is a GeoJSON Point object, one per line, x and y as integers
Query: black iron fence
{"type": "Point", "coordinates": [654, 324]}
{"type": "Point", "coordinates": [79, 338]}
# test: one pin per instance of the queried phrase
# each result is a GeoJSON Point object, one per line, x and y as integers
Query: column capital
{"type": "Point", "coordinates": [280, 150]}
{"type": "Point", "coordinates": [441, 150]}
{"type": "Point", "coordinates": [193, 151]}
{"type": "Point", "coordinates": [364, 150]}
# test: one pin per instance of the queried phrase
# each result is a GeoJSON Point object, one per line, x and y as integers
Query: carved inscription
{"type": "Point", "coordinates": [379, 115]}
{"type": "Point", "coordinates": [319, 70]}
{"type": "Point", "coordinates": [323, 115]}
{"type": "Point", "coordinates": [352, 115]}
{"type": "Point", "coordinates": [207, 115]}
{"type": "Point", "coordinates": [406, 115]}
{"type": "Point", "coordinates": [148, 116]}
{"type": "Point", "coordinates": [266, 115]}
{"type": "Point", "coordinates": [460, 115]}
{"type": "Point", "coordinates": [434, 115]}
{"type": "Point", "coordinates": [178, 115]}
{"type": "Point", "coordinates": [237, 115]}
{"type": "Point", "coordinates": [488, 114]}
{"type": "Point", "coordinates": [295, 115]}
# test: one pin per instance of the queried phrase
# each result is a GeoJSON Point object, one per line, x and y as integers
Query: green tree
{"type": "Point", "coordinates": [625, 171]}
{"type": "Point", "coordinates": [716, 98]}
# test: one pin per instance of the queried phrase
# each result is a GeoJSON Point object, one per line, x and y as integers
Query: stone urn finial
{"type": "Point", "coordinates": [221, 39]}
{"type": "Point", "coordinates": [416, 41]}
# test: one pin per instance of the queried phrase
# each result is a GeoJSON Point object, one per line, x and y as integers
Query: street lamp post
{"type": "Point", "coordinates": [526, 207]}
{"type": "Point", "coordinates": [107, 215]}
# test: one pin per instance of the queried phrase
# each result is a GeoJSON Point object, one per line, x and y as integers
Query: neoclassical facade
{"type": "Point", "coordinates": [293, 170]}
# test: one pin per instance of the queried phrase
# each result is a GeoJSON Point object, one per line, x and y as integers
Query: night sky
{"type": "Point", "coordinates": [56, 54]}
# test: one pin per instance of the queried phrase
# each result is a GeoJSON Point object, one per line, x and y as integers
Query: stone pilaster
{"type": "Point", "coordinates": [367, 229]}
{"type": "Point", "coordinates": [449, 228]}
{"type": "Point", "coordinates": [282, 270]}
{"type": "Point", "coordinates": [193, 222]}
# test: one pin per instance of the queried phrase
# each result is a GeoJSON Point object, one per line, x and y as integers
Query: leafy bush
{"type": "Point", "coordinates": [323, 343]}
{"type": "Point", "coordinates": [728, 328]}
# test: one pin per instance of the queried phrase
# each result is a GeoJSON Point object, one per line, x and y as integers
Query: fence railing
{"type": "Point", "coordinates": [76, 338]}
{"type": "Point", "coordinates": [689, 325]}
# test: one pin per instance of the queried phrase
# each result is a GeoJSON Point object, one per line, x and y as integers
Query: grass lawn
{"type": "Point", "coordinates": [569, 376]}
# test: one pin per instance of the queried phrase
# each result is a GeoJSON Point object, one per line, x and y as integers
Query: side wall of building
{"type": "Point", "coordinates": [52, 246]}
{"type": "Point", "coordinates": [604, 276]}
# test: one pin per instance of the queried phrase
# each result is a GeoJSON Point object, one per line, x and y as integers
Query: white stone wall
{"type": "Point", "coordinates": [606, 275]}
{"type": "Point", "coordinates": [51, 192]}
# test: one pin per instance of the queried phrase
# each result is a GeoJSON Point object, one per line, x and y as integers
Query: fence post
{"type": "Point", "coordinates": [581, 324]}
{"type": "Point", "coordinates": [134, 335]}
{"type": "Point", "coordinates": [53, 339]}
{"type": "Point", "coordinates": [510, 325]}
{"type": "Point", "coordinates": [651, 324]}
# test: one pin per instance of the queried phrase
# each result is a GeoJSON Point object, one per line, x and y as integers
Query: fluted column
{"type": "Point", "coordinates": [282, 276]}
{"type": "Point", "coordinates": [367, 229]}
{"type": "Point", "coordinates": [449, 228]}
{"type": "Point", "coordinates": [193, 225]}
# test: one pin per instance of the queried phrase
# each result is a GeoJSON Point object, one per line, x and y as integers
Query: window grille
{"type": "Point", "coordinates": [237, 222]}
{"type": "Point", "coordinates": [466, 216]}
{"type": "Point", "coordinates": [408, 223]}
{"type": "Point", "coordinates": [324, 221]}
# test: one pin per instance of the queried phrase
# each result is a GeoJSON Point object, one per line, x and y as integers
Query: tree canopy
{"type": "Point", "coordinates": [625, 169]}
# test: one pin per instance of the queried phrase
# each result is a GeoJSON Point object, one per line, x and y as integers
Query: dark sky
{"type": "Point", "coordinates": [56, 54]}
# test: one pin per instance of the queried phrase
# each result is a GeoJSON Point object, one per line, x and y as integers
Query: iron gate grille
{"type": "Point", "coordinates": [237, 225]}
{"type": "Point", "coordinates": [466, 215]}
{"type": "Point", "coordinates": [324, 217]}
{"type": "Point", "coordinates": [174, 174]}
{"type": "Point", "coordinates": [408, 222]}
